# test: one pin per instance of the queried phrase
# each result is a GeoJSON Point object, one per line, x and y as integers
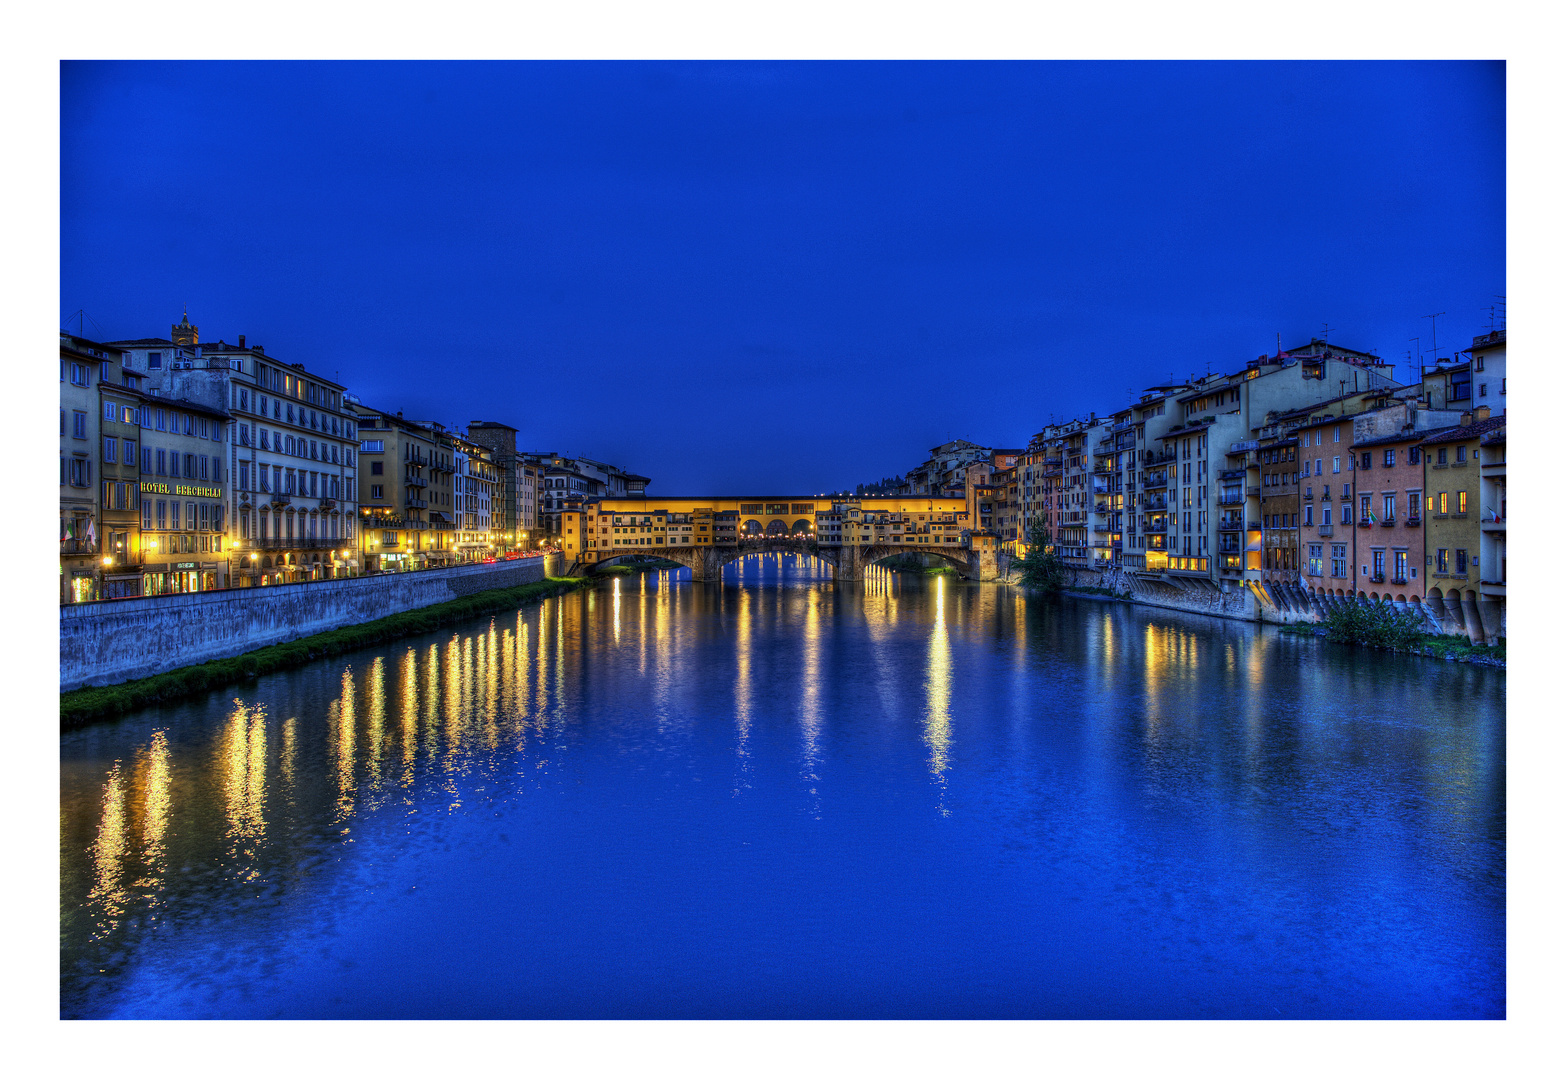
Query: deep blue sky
{"type": "Point", "coordinates": [747, 277]}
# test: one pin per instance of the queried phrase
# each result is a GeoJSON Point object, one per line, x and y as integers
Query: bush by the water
{"type": "Point", "coordinates": [1040, 568]}
{"type": "Point", "coordinates": [1380, 625]}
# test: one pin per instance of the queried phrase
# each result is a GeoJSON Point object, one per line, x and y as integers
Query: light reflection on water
{"type": "Point", "coordinates": [791, 797]}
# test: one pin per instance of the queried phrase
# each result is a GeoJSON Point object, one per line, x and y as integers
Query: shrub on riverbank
{"type": "Point", "coordinates": [1352, 631]}
{"type": "Point", "coordinates": [1040, 568]}
{"type": "Point", "coordinates": [97, 702]}
{"type": "Point", "coordinates": [1380, 625]}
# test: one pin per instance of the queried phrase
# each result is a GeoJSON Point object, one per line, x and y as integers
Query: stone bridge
{"type": "Point", "coordinates": [848, 561]}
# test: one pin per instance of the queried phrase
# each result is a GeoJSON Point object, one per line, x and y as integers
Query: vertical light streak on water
{"type": "Point", "coordinates": [662, 653]}
{"type": "Point", "coordinates": [451, 729]}
{"type": "Point", "coordinates": [938, 695]}
{"type": "Point", "coordinates": [742, 693]}
{"type": "Point", "coordinates": [617, 609]}
{"type": "Point", "coordinates": [287, 769]}
{"type": "Point", "coordinates": [242, 768]}
{"type": "Point", "coordinates": [810, 698]}
{"type": "Point", "coordinates": [541, 671]}
{"type": "Point", "coordinates": [558, 713]}
{"type": "Point", "coordinates": [641, 627]}
{"type": "Point", "coordinates": [375, 723]}
{"type": "Point", "coordinates": [491, 688]}
{"type": "Point", "coordinates": [343, 748]}
{"type": "Point", "coordinates": [108, 896]}
{"type": "Point", "coordinates": [524, 681]}
{"type": "Point", "coordinates": [155, 807]}
{"type": "Point", "coordinates": [409, 670]}
{"type": "Point", "coordinates": [431, 718]}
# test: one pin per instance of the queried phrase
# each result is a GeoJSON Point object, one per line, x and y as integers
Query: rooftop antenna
{"type": "Point", "coordinates": [1325, 330]}
{"type": "Point", "coordinates": [1432, 319]}
{"type": "Point", "coordinates": [1419, 353]}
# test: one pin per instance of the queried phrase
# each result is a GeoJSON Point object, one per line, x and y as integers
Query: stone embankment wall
{"type": "Point", "coordinates": [112, 641]}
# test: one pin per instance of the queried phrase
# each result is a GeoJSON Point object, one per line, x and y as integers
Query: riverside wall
{"type": "Point", "coordinates": [112, 641]}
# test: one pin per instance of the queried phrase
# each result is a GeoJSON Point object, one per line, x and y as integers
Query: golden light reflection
{"type": "Point", "coordinates": [938, 691]}
{"type": "Point", "coordinates": [108, 853]}
{"type": "Point", "coordinates": [155, 804]}
{"type": "Point", "coordinates": [242, 779]}
{"type": "Point", "coordinates": [810, 695]}
{"type": "Point", "coordinates": [617, 609]}
{"type": "Point", "coordinates": [344, 736]}
{"type": "Point", "coordinates": [491, 688]}
{"type": "Point", "coordinates": [408, 668]}
{"type": "Point", "coordinates": [742, 691]}
{"type": "Point", "coordinates": [376, 722]}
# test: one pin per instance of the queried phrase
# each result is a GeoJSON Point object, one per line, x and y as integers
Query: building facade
{"type": "Point", "coordinates": [292, 488]}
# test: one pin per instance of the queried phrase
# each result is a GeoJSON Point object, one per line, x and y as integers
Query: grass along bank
{"type": "Point", "coordinates": [91, 703]}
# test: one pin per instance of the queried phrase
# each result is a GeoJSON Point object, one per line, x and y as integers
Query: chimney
{"type": "Point", "coordinates": [241, 341]}
{"type": "Point", "coordinates": [1465, 419]}
{"type": "Point", "coordinates": [1482, 413]}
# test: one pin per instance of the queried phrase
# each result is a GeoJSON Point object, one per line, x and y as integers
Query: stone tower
{"type": "Point", "coordinates": [185, 334]}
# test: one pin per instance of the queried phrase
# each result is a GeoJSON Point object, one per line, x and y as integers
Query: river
{"type": "Point", "coordinates": [786, 797]}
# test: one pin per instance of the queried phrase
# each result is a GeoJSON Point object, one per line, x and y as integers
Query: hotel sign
{"type": "Point", "coordinates": [150, 488]}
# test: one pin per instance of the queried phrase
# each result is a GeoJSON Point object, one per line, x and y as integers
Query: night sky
{"type": "Point", "coordinates": [780, 277]}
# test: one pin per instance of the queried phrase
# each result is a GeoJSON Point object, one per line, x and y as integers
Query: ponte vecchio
{"type": "Point", "coordinates": [705, 532]}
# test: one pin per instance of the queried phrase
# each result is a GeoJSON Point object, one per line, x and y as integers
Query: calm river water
{"type": "Point", "coordinates": [784, 797]}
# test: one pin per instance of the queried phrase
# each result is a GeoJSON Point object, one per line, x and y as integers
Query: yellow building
{"type": "Point", "coordinates": [1453, 516]}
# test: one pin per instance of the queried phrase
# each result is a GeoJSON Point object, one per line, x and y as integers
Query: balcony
{"type": "Point", "coordinates": [1101, 508]}
{"type": "Point", "coordinates": [1229, 549]}
{"type": "Point", "coordinates": [1326, 530]}
{"type": "Point", "coordinates": [1493, 526]}
{"type": "Point", "coordinates": [1232, 474]}
{"type": "Point", "coordinates": [1234, 499]}
{"type": "Point", "coordinates": [1231, 524]}
{"type": "Point", "coordinates": [77, 547]}
{"type": "Point", "coordinates": [1253, 492]}
{"type": "Point", "coordinates": [1149, 459]}
{"type": "Point", "coordinates": [416, 503]}
{"type": "Point", "coordinates": [314, 543]}
{"type": "Point", "coordinates": [1413, 521]}
{"type": "Point", "coordinates": [1154, 480]}
{"type": "Point", "coordinates": [415, 481]}
{"type": "Point", "coordinates": [1159, 503]}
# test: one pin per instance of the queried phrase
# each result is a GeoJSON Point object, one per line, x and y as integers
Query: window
{"type": "Point", "coordinates": [1348, 514]}
{"type": "Point", "coordinates": [377, 491]}
{"type": "Point", "coordinates": [163, 514]}
{"type": "Point", "coordinates": [1315, 561]}
{"type": "Point", "coordinates": [1443, 502]}
{"type": "Point", "coordinates": [1413, 455]}
{"type": "Point", "coordinates": [109, 445]}
{"type": "Point", "coordinates": [1441, 456]}
{"type": "Point", "coordinates": [1478, 363]}
{"type": "Point", "coordinates": [1364, 460]}
{"type": "Point", "coordinates": [1461, 561]}
{"type": "Point", "coordinates": [1388, 459]}
{"type": "Point", "coordinates": [372, 446]}
{"type": "Point", "coordinates": [146, 460]}
{"type": "Point", "coordinates": [1462, 502]}
{"type": "Point", "coordinates": [1307, 515]}
{"type": "Point", "coordinates": [1484, 389]}
{"type": "Point", "coordinates": [1440, 560]}
{"type": "Point", "coordinates": [1388, 507]}
{"type": "Point", "coordinates": [146, 515]}
{"type": "Point", "coordinates": [1413, 505]}
{"type": "Point", "coordinates": [1337, 465]}
{"type": "Point", "coordinates": [1340, 560]}
{"type": "Point", "coordinates": [1337, 434]}
{"type": "Point", "coordinates": [108, 411]}
{"type": "Point", "coordinates": [1462, 452]}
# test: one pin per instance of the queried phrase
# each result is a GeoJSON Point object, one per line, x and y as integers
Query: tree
{"type": "Point", "coordinates": [1041, 568]}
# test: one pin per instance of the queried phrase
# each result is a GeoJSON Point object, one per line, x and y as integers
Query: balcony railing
{"type": "Point", "coordinates": [415, 481]}
{"type": "Point", "coordinates": [415, 502]}
{"type": "Point", "coordinates": [1413, 521]}
{"type": "Point", "coordinates": [1378, 578]}
{"type": "Point", "coordinates": [1231, 524]}
{"type": "Point", "coordinates": [77, 547]}
{"type": "Point", "coordinates": [1155, 480]}
{"type": "Point", "coordinates": [1231, 500]}
{"type": "Point", "coordinates": [1326, 530]}
{"type": "Point", "coordinates": [1365, 523]}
